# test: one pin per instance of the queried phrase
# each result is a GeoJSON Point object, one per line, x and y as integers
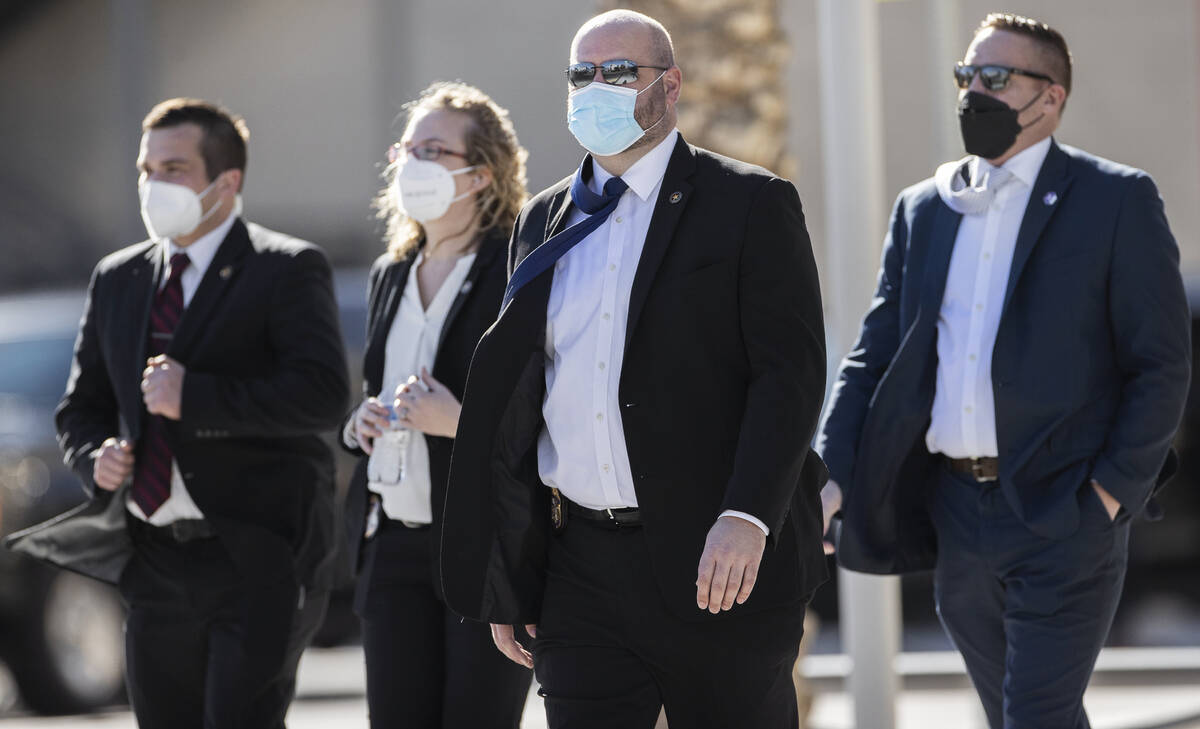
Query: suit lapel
{"type": "Point", "coordinates": [529, 305]}
{"type": "Point", "coordinates": [556, 221]}
{"type": "Point", "coordinates": [937, 263]}
{"type": "Point", "coordinates": [673, 196]}
{"type": "Point", "coordinates": [394, 281]}
{"type": "Point", "coordinates": [146, 275]}
{"type": "Point", "coordinates": [489, 248]}
{"type": "Point", "coordinates": [224, 268]}
{"type": "Point", "coordinates": [1048, 190]}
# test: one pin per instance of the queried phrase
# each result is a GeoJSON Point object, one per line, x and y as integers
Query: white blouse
{"type": "Point", "coordinates": [412, 343]}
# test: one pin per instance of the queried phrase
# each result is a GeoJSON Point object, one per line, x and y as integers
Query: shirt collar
{"type": "Point", "coordinates": [201, 252]}
{"type": "Point", "coordinates": [644, 175]}
{"type": "Point", "coordinates": [1024, 166]}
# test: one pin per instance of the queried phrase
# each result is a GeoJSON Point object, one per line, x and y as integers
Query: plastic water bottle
{"type": "Point", "coordinates": [386, 465]}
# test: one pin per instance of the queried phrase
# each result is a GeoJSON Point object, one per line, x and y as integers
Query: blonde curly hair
{"type": "Point", "coordinates": [491, 142]}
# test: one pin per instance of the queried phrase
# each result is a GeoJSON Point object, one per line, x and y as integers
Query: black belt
{"type": "Point", "coordinates": [617, 518]}
{"type": "Point", "coordinates": [982, 469]}
{"type": "Point", "coordinates": [180, 531]}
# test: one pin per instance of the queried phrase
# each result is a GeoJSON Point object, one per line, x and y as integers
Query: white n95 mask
{"type": "Point", "coordinates": [426, 189]}
{"type": "Point", "coordinates": [170, 210]}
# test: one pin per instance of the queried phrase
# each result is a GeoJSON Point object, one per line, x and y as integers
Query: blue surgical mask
{"type": "Point", "coordinates": [600, 115]}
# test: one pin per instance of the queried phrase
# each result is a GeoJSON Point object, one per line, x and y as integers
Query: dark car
{"type": "Point", "coordinates": [62, 634]}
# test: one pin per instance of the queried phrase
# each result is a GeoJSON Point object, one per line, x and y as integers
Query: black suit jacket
{"type": "Point", "coordinates": [720, 391]}
{"type": "Point", "coordinates": [266, 374]}
{"type": "Point", "coordinates": [1090, 369]}
{"type": "Point", "coordinates": [473, 310]}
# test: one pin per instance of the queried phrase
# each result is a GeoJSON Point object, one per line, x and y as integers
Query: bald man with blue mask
{"type": "Point", "coordinates": [634, 507]}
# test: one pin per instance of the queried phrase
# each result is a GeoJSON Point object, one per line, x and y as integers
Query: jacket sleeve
{"type": "Point", "coordinates": [1151, 327]}
{"type": "Point", "coordinates": [87, 415]}
{"type": "Point", "coordinates": [307, 389]}
{"type": "Point", "coordinates": [863, 366]}
{"type": "Point", "coordinates": [783, 332]}
{"type": "Point", "coordinates": [373, 283]}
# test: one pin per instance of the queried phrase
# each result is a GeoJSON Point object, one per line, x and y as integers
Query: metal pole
{"type": "Point", "coordinates": [856, 208]}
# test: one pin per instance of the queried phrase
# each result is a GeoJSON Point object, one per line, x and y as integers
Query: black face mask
{"type": "Point", "coordinates": [989, 126]}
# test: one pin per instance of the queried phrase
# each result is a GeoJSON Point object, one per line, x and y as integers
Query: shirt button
{"type": "Point", "coordinates": [967, 409]}
{"type": "Point", "coordinates": [607, 316]}
{"type": "Point", "coordinates": [979, 307]}
{"type": "Point", "coordinates": [601, 365]}
{"type": "Point", "coordinates": [605, 467]}
{"type": "Point", "coordinates": [612, 266]}
{"type": "Point", "coordinates": [620, 219]}
{"type": "Point", "coordinates": [599, 416]}
{"type": "Point", "coordinates": [971, 357]}
{"type": "Point", "coordinates": [987, 256]}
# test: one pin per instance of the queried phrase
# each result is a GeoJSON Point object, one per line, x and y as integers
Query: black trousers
{"type": "Point", "coordinates": [1028, 614]}
{"type": "Point", "coordinates": [427, 668]}
{"type": "Point", "coordinates": [206, 646]}
{"type": "Point", "coordinates": [609, 653]}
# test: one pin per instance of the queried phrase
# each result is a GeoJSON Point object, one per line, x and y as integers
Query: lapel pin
{"type": "Point", "coordinates": [1050, 198]}
{"type": "Point", "coordinates": [466, 286]}
{"type": "Point", "coordinates": [226, 272]}
{"type": "Point", "coordinates": [675, 197]}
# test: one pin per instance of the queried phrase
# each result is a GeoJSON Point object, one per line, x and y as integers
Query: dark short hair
{"type": "Point", "coordinates": [223, 145]}
{"type": "Point", "coordinates": [1049, 42]}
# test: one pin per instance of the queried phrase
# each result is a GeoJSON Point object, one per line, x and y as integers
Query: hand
{"type": "Point", "coordinates": [505, 639]}
{"type": "Point", "coordinates": [831, 503]}
{"type": "Point", "coordinates": [1110, 502]}
{"type": "Point", "coordinates": [370, 420]}
{"type": "Point", "coordinates": [729, 564]}
{"type": "Point", "coordinates": [112, 463]}
{"type": "Point", "coordinates": [426, 405]}
{"type": "Point", "coordinates": [162, 387]}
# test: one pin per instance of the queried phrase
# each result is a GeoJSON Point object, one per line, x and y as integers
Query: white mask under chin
{"type": "Point", "coordinates": [171, 210]}
{"type": "Point", "coordinates": [426, 189]}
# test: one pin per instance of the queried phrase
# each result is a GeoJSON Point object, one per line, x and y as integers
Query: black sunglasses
{"type": "Point", "coordinates": [618, 72]}
{"type": "Point", "coordinates": [993, 77]}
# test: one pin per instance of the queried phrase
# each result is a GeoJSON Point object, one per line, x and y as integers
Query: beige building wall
{"type": "Point", "coordinates": [321, 83]}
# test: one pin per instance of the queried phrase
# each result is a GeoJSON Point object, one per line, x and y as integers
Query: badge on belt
{"type": "Point", "coordinates": [558, 511]}
{"type": "Point", "coordinates": [373, 517]}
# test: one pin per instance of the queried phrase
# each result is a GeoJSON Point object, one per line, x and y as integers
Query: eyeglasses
{"type": "Point", "coordinates": [618, 72]}
{"type": "Point", "coordinates": [993, 77]}
{"type": "Point", "coordinates": [428, 151]}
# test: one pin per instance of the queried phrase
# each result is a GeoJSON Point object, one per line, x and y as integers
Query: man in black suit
{"type": "Point", "coordinates": [207, 364]}
{"type": "Point", "coordinates": [648, 394]}
{"type": "Point", "coordinates": [1010, 403]}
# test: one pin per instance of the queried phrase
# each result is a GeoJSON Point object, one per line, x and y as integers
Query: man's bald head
{"type": "Point", "coordinates": [648, 33]}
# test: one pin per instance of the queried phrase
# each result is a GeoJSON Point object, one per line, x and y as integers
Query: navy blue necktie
{"type": "Point", "coordinates": [598, 208]}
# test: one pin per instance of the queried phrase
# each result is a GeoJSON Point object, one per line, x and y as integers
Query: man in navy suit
{"type": "Point", "coordinates": [1010, 403]}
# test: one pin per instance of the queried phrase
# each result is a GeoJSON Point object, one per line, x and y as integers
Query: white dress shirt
{"type": "Point", "coordinates": [581, 450]}
{"type": "Point", "coordinates": [412, 343]}
{"type": "Point", "coordinates": [963, 421]}
{"type": "Point", "coordinates": [179, 504]}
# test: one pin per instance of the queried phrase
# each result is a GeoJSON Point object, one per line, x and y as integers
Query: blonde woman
{"type": "Point", "coordinates": [453, 186]}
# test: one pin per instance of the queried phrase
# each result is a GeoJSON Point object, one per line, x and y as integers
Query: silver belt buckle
{"type": "Point", "coordinates": [977, 471]}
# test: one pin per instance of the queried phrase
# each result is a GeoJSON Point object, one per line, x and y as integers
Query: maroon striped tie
{"type": "Point", "coordinates": [152, 475]}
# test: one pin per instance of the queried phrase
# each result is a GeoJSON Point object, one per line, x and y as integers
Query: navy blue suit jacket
{"type": "Point", "coordinates": [1090, 368]}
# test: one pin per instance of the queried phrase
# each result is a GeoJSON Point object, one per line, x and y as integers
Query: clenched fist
{"type": "Point", "coordinates": [162, 387]}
